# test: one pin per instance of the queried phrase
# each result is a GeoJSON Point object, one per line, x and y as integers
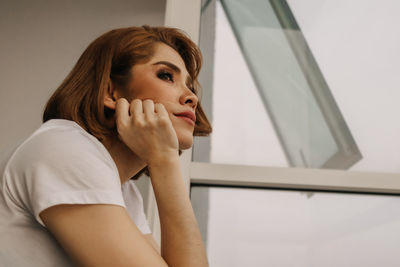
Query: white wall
{"type": "Point", "coordinates": [41, 41]}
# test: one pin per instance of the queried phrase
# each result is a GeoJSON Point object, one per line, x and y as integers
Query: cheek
{"type": "Point", "coordinates": [157, 90]}
{"type": "Point", "coordinates": [157, 94]}
{"type": "Point", "coordinates": [168, 100]}
{"type": "Point", "coordinates": [144, 87]}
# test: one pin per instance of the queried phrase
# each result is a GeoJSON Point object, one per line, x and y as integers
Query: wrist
{"type": "Point", "coordinates": [164, 159]}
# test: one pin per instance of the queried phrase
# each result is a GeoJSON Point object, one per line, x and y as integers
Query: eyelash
{"type": "Point", "coordinates": [162, 74]}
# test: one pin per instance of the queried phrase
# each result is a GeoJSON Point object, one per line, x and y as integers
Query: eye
{"type": "Point", "coordinates": [165, 75]}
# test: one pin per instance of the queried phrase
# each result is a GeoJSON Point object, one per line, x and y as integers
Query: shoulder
{"type": "Point", "coordinates": [62, 142]}
{"type": "Point", "coordinates": [61, 156]}
{"type": "Point", "coordinates": [61, 163]}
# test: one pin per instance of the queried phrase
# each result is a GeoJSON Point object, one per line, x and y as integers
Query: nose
{"type": "Point", "coordinates": [189, 98]}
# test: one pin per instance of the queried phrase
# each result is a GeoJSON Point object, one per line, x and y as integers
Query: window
{"type": "Point", "coordinates": [266, 78]}
{"type": "Point", "coordinates": [256, 159]}
{"type": "Point", "coordinates": [247, 157]}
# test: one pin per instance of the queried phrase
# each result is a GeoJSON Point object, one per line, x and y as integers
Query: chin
{"type": "Point", "coordinates": [185, 142]}
{"type": "Point", "coordinates": [185, 146]}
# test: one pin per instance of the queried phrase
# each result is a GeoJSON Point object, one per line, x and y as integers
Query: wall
{"type": "Point", "coordinates": [40, 43]}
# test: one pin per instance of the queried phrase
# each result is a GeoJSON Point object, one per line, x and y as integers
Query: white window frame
{"type": "Point", "coordinates": [184, 15]}
{"type": "Point", "coordinates": [294, 178]}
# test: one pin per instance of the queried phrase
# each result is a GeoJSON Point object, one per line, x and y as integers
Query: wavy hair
{"type": "Point", "coordinates": [109, 58]}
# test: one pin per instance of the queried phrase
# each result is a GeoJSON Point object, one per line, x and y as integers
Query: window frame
{"type": "Point", "coordinates": [294, 178]}
{"type": "Point", "coordinates": [184, 15]}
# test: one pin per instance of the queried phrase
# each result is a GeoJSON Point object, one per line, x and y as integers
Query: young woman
{"type": "Point", "coordinates": [67, 196]}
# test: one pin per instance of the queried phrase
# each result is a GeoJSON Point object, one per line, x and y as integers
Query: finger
{"type": "Point", "coordinates": [160, 109]}
{"type": "Point", "coordinates": [136, 108]}
{"type": "Point", "coordinates": [122, 111]}
{"type": "Point", "coordinates": [148, 108]}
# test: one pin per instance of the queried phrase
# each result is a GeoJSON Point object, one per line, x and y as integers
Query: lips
{"type": "Point", "coordinates": [187, 115]}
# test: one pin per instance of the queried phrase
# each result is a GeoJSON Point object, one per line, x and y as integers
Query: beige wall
{"type": "Point", "coordinates": [41, 41]}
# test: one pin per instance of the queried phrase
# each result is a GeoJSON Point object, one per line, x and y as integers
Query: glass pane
{"type": "Point", "coordinates": [269, 227]}
{"type": "Point", "coordinates": [304, 115]}
{"type": "Point", "coordinates": [342, 73]}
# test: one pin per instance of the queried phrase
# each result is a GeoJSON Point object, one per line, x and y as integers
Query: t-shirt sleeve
{"type": "Point", "coordinates": [134, 205]}
{"type": "Point", "coordinates": [65, 167]}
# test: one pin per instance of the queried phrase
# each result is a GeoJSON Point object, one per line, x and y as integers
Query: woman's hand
{"type": "Point", "coordinates": [146, 129]}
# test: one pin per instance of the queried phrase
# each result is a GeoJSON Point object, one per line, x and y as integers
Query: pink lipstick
{"type": "Point", "coordinates": [188, 116]}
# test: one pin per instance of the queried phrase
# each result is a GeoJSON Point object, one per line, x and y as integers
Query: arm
{"type": "Point", "coordinates": [152, 242]}
{"type": "Point", "coordinates": [100, 235]}
{"type": "Point", "coordinates": [104, 235]}
{"type": "Point", "coordinates": [181, 243]}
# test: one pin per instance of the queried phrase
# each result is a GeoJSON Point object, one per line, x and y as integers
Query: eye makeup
{"type": "Point", "coordinates": [165, 75]}
{"type": "Point", "coordinates": [168, 74]}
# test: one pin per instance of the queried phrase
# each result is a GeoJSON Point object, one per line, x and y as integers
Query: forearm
{"type": "Point", "coordinates": [181, 243]}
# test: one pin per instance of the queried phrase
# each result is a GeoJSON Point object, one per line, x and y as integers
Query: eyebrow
{"type": "Point", "coordinates": [175, 68]}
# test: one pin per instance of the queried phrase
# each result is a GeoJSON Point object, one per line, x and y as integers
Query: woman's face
{"type": "Point", "coordinates": [164, 79]}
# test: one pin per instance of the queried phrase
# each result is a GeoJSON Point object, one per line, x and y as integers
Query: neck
{"type": "Point", "coordinates": [128, 163]}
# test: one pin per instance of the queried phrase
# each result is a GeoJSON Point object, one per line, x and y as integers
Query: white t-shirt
{"type": "Point", "coordinates": [60, 163]}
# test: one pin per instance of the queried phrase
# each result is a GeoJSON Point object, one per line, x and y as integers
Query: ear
{"type": "Point", "coordinates": [111, 96]}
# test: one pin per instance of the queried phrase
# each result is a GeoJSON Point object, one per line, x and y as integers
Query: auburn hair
{"type": "Point", "coordinates": [109, 58]}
